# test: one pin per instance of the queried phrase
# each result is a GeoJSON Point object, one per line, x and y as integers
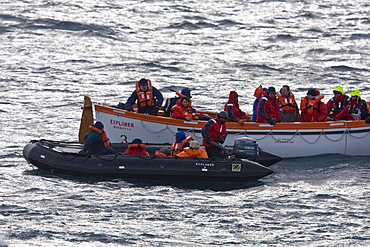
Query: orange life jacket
{"type": "Point", "coordinates": [177, 147]}
{"type": "Point", "coordinates": [258, 91]}
{"type": "Point", "coordinates": [308, 106]}
{"type": "Point", "coordinates": [146, 98]}
{"type": "Point", "coordinates": [287, 104]}
{"type": "Point", "coordinates": [160, 154]}
{"type": "Point", "coordinates": [104, 136]}
{"type": "Point", "coordinates": [188, 111]}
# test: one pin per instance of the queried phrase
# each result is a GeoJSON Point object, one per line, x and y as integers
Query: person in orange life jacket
{"type": "Point", "coordinates": [136, 148]}
{"type": "Point", "coordinates": [258, 93]}
{"type": "Point", "coordinates": [183, 110]}
{"type": "Point", "coordinates": [268, 107]}
{"type": "Point", "coordinates": [355, 110]}
{"type": "Point", "coordinates": [232, 108]}
{"type": "Point", "coordinates": [194, 151]}
{"type": "Point", "coordinates": [181, 140]}
{"type": "Point", "coordinates": [312, 108]}
{"type": "Point", "coordinates": [338, 102]}
{"type": "Point", "coordinates": [163, 152]}
{"type": "Point", "coordinates": [170, 102]}
{"type": "Point", "coordinates": [214, 135]}
{"type": "Point", "coordinates": [96, 141]}
{"type": "Point", "coordinates": [148, 98]}
{"type": "Point", "coordinates": [289, 111]}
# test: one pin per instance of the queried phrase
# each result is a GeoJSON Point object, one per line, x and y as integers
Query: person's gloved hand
{"type": "Point", "coordinates": [271, 121]}
{"type": "Point", "coordinates": [121, 105]}
{"type": "Point", "coordinates": [187, 118]}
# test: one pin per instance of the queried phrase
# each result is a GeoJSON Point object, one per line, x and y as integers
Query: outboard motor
{"type": "Point", "coordinates": [246, 148]}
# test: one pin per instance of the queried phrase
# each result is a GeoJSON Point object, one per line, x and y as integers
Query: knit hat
{"type": "Point", "coordinates": [137, 141]}
{"type": "Point", "coordinates": [311, 92]}
{"type": "Point", "coordinates": [143, 81]}
{"type": "Point", "coordinates": [223, 114]}
{"type": "Point", "coordinates": [99, 125]}
{"type": "Point", "coordinates": [271, 90]}
{"type": "Point", "coordinates": [194, 145]}
{"type": "Point", "coordinates": [165, 151]}
{"type": "Point", "coordinates": [186, 92]}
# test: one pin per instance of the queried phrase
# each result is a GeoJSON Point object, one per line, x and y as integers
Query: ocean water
{"type": "Point", "coordinates": [54, 52]}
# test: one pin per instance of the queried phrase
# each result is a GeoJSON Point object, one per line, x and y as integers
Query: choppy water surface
{"type": "Point", "coordinates": [55, 52]}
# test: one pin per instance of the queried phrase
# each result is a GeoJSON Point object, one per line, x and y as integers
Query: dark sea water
{"type": "Point", "coordinates": [53, 52]}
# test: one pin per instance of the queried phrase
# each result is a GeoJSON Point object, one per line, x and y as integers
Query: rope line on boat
{"type": "Point", "coordinates": [109, 160]}
{"type": "Point", "coordinates": [143, 124]}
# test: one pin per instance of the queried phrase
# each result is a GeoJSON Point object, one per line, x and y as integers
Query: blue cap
{"type": "Point", "coordinates": [186, 92]}
{"type": "Point", "coordinates": [181, 135]}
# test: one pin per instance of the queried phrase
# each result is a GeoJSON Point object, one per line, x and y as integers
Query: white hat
{"type": "Point", "coordinates": [194, 145]}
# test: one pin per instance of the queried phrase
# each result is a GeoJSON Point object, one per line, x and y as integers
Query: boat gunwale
{"type": "Point", "coordinates": [301, 126]}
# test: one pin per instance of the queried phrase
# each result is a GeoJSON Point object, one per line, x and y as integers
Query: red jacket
{"type": "Point", "coordinates": [232, 107]}
{"type": "Point", "coordinates": [317, 113]}
{"type": "Point", "coordinates": [213, 131]}
{"type": "Point", "coordinates": [181, 112]}
{"type": "Point", "coordinates": [353, 110]}
{"type": "Point", "coordinates": [268, 108]}
{"type": "Point", "coordinates": [336, 105]}
{"type": "Point", "coordinates": [136, 149]}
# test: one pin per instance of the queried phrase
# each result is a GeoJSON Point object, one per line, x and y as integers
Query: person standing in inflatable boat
{"type": "Point", "coordinates": [214, 135]}
{"type": "Point", "coordinates": [148, 98]}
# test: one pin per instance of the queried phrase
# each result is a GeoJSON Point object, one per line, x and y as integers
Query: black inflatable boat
{"type": "Point", "coordinates": [64, 158]}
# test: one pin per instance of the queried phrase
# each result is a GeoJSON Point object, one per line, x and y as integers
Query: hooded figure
{"type": "Point", "coordinates": [232, 108]}
{"type": "Point", "coordinates": [268, 107]}
{"type": "Point", "coordinates": [355, 110]}
{"type": "Point", "coordinates": [338, 102]}
{"type": "Point", "coordinates": [136, 148]}
{"type": "Point", "coordinates": [96, 141]}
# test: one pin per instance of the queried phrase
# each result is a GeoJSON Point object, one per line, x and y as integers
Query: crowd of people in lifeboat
{"type": "Point", "coordinates": [269, 107]}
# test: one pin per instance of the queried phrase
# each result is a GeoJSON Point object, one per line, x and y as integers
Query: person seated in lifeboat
{"type": "Point", "coordinates": [170, 102]}
{"type": "Point", "coordinates": [97, 141]}
{"type": "Point", "coordinates": [194, 150]}
{"type": "Point", "coordinates": [289, 111]}
{"type": "Point", "coordinates": [233, 109]}
{"type": "Point", "coordinates": [148, 98]}
{"type": "Point", "coordinates": [181, 141]}
{"type": "Point", "coordinates": [258, 93]}
{"type": "Point", "coordinates": [312, 108]}
{"type": "Point", "coordinates": [136, 148]}
{"type": "Point", "coordinates": [183, 110]}
{"type": "Point", "coordinates": [163, 152]}
{"type": "Point", "coordinates": [338, 102]}
{"type": "Point", "coordinates": [268, 107]}
{"type": "Point", "coordinates": [355, 110]}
